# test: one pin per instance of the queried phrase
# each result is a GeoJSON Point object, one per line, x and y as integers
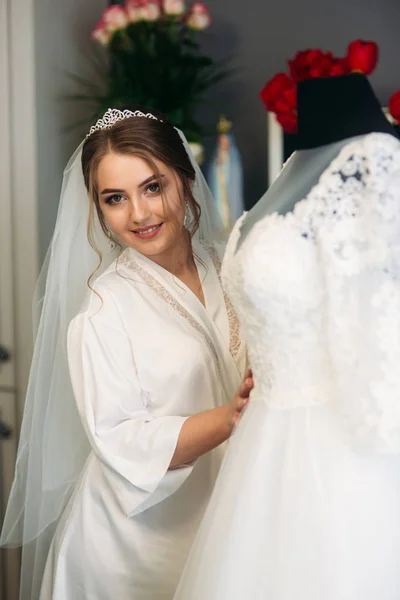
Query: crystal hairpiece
{"type": "Point", "coordinates": [113, 115]}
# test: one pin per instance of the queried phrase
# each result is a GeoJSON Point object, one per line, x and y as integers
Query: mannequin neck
{"type": "Point", "coordinates": [331, 109]}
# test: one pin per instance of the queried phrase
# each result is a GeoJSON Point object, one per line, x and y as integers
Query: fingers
{"type": "Point", "coordinates": [243, 394]}
{"type": "Point", "coordinates": [246, 387]}
{"type": "Point", "coordinates": [241, 403]}
{"type": "Point", "coordinates": [248, 379]}
{"type": "Point", "coordinates": [249, 374]}
{"type": "Point", "coordinates": [240, 408]}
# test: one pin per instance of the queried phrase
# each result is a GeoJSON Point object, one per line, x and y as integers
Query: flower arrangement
{"type": "Point", "coordinates": [154, 59]}
{"type": "Point", "coordinates": [280, 93]}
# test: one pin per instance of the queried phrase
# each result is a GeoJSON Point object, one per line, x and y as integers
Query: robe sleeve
{"type": "Point", "coordinates": [134, 448]}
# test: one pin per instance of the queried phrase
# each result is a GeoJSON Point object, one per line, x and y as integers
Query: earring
{"type": "Point", "coordinates": [111, 243]}
{"type": "Point", "coordinates": [187, 218]}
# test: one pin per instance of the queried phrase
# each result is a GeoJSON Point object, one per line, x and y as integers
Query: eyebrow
{"type": "Point", "coordinates": [115, 191]}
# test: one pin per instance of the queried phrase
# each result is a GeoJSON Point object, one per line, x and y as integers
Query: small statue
{"type": "Point", "coordinates": [225, 175]}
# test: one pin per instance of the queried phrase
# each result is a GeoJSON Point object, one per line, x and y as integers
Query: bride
{"type": "Point", "coordinates": [114, 471]}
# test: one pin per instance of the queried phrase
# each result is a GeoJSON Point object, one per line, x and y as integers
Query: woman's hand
{"type": "Point", "coordinates": [207, 430]}
{"type": "Point", "coordinates": [240, 400]}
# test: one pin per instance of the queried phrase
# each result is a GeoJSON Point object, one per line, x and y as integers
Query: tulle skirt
{"type": "Point", "coordinates": [297, 514]}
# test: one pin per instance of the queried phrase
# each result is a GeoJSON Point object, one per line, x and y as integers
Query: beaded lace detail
{"type": "Point", "coordinates": [235, 343]}
{"type": "Point", "coordinates": [234, 332]}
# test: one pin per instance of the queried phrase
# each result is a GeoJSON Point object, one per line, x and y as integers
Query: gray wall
{"type": "Point", "coordinates": [262, 35]}
{"type": "Point", "coordinates": [62, 32]}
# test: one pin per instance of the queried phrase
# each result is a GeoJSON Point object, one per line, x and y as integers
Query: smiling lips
{"type": "Point", "coordinates": [147, 233]}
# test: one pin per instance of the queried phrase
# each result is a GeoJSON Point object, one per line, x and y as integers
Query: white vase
{"type": "Point", "coordinates": [275, 147]}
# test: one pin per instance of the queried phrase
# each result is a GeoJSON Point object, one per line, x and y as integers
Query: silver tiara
{"type": "Point", "coordinates": [113, 115]}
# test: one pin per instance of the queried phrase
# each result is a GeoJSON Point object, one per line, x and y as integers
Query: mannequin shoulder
{"type": "Point", "coordinates": [377, 154]}
{"type": "Point", "coordinates": [383, 154]}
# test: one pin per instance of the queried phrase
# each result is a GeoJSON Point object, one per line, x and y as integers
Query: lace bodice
{"type": "Point", "coordinates": [317, 292]}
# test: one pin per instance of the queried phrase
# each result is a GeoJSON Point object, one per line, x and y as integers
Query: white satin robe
{"type": "Point", "coordinates": [141, 362]}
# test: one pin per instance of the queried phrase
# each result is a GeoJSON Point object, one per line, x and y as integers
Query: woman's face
{"type": "Point", "coordinates": [133, 206]}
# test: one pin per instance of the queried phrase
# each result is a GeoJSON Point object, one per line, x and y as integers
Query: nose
{"type": "Point", "coordinates": [140, 211]}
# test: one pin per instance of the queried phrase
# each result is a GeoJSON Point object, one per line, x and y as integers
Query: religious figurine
{"type": "Point", "coordinates": [225, 175]}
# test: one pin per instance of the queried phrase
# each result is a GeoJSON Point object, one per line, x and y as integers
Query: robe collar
{"type": "Point", "coordinates": [215, 321]}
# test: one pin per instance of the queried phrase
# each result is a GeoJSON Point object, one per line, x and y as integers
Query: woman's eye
{"type": "Point", "coordinates": [153, 188]}
{"type": "Point", "coordinates": [115, 199]}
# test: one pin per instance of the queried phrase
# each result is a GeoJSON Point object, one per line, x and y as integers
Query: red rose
{"type": "Point", "coordinates": [321, 65]}
{"type": "Point", "coordinates": [288, 122]}
{"type": "Point", "coordinates": [362, 56]}
{"type": "Point", "coordinates": [299, 67]}
{"type": "Point", "coordinates": [279, 94]}
{"type": "Point", "coordinates": [311, 63]}
{"type": "Point", "coordinates": [287, 101]}
{"type": "Point", "coordinates": [340, 66]}
{"type": "Point", "coordinates": [394, 106]}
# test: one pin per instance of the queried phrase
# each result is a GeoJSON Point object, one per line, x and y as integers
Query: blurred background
{"type": "Point", "coordinates": [259, 36]}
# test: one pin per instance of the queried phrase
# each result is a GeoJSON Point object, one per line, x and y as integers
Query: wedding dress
{"type": "Point", "coordinates": [307, 503]}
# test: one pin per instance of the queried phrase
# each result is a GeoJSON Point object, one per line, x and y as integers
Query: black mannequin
{"type": "Point", "coordinates": [332, 111]}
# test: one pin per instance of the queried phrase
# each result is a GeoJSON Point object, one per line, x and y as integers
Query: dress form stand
{"type": "Point", "coordinates": [332, 111]}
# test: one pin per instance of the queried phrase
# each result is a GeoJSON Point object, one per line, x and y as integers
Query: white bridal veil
{"type": "Point", "coordinates": [53, 445]}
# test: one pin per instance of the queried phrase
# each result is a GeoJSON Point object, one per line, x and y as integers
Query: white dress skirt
{"type": "Point", "coordinates": [307, 502]}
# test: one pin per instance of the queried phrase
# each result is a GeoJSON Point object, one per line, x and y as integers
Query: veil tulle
{"type": "Point", "coordinates": [53, 446]}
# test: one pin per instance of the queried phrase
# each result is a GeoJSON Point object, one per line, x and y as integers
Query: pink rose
{"type": "Point", "coordinates": [115, 17]}
{"type": "Point", "coordinates": [199, 16]}
{"type": "Point", "coordinates": [142, 10]}
{"type": "Point", "coordinates": [133, 10]}
{"type": "Point", "coordinates": [101, 33]}
{"type": "Point", "coordinates": [150, 11]}
{"type": "Point", "coordinates": [174, 7]}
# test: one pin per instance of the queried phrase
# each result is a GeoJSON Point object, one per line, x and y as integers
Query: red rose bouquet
{"type": "Point", "coordinates": [280, 93]}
